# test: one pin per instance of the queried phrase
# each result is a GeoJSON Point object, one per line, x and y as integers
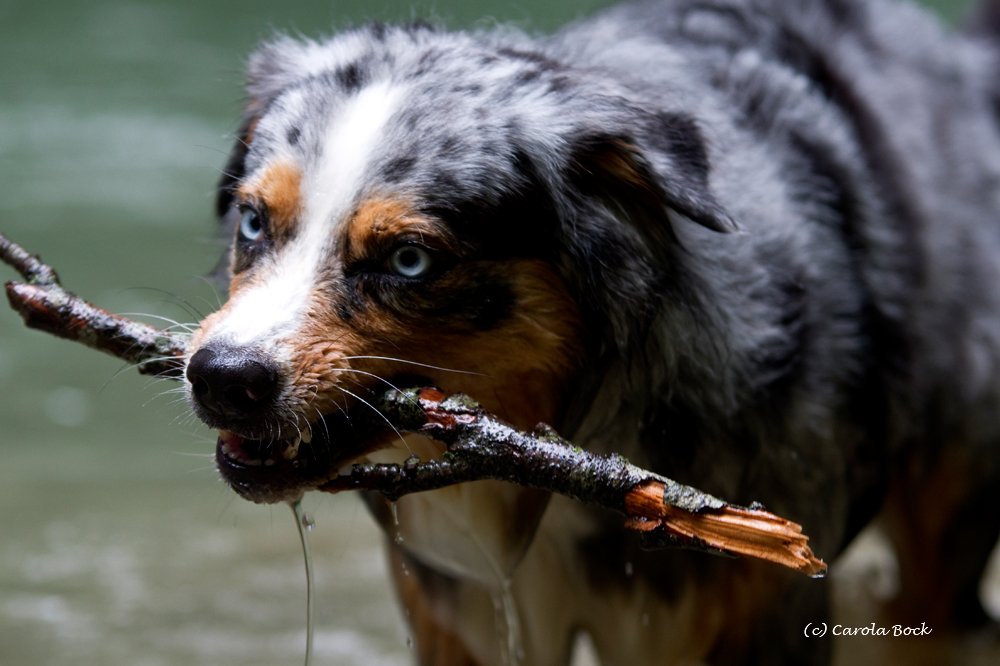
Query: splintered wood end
{"type": "Point", "coordinates": [732, 529]}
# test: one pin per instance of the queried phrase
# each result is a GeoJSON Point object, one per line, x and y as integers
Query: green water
{"type": "Point", "coordinates": [117, 543]}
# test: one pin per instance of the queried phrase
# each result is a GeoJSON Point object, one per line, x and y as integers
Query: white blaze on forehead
{"type": "Point", "coordinates": [273, 307]}
{"type": "Point", "coordinates": [347, 149]}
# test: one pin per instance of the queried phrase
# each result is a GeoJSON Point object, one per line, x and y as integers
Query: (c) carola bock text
{"type": "Point", "coordinates": [819, 630]}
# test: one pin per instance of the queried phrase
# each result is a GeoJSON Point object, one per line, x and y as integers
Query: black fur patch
{"type": "Point", "coordinates": [350, 77]}
{"type": "Point", "coordinates": [474, 296]}
{"type": "Point", "coordinates": [527, 76]}
{"type": "Point", "coordinates": [344, 312]}
{"type": "Point", "coordinates": [543, 61]}
{"type": "Point", "coordinates": [519, 222]}
{"type": "Point", "coordinates": [479, 305]}
{"type": "Point", "coordinates": [378, 30]}
{"type": "Point", "coordinates": [398, 169]}
{"type": "Point", "coordinates": [678, 135]}
{"type": "Point", "coordinates": [559, 83]}
{"type": "Point", "coordinates": [235, 168]}
{"type": "Point", "coordinates": [451, 145]}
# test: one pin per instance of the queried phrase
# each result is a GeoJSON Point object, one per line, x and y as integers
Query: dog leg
{"type": "Point", "coordinates": [943, 515]}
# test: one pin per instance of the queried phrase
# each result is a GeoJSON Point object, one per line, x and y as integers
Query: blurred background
{"type": "Point", "coordinates": [117, 543]}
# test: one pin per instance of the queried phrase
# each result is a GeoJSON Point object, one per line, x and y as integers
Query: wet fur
{"type": "Point", "coordinates": [753, 245]}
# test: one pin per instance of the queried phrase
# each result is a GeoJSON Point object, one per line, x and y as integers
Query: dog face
{"type": "Point", "coordinates": [409, 204]}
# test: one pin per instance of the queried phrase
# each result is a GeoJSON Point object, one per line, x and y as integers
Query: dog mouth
{"type": "Point", "coordinates": [266, 471]}
{"type": "Point", "coordinates": [257, 453]}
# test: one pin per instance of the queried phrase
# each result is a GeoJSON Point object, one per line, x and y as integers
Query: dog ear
{"type": "Point", "coordinates": [621, 171]}
{"type": "Point", "coordinates": [274, 66]}
{"type": "Point", "coordinates": [235, 167]}
{"type": "Point", "coordinates": [271, 69]}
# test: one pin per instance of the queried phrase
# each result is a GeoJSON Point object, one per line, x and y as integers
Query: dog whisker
{"type": "Point", "coordinates": [189, 326]}
{"type": "Point", "coordinates": [327, 429]}
{"type": "Point", "coordinates": [213, 287]}
{"type": "Point", "coordinates": [177, 299]}
{"type": "Point", "coordinates": [422, 365]}
{"type": "Point", "coordinates": [360, 399]}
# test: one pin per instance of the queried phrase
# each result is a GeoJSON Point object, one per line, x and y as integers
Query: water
{"type": "Point", "coordinates": [117, 543]}
{"type": "Point", "coordinates": [508, 625]}
{"type": "Point", "coordinates": [305, 525]}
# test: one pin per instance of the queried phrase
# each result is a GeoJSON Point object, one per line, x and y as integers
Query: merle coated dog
{"type": "Point", "coordinates": [753, 245]}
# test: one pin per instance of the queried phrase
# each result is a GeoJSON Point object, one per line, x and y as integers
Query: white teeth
{"type": "Point", "coordinates": [289, 449]}
{"type": "Point", "coordinates": [292, 449]}
{"type": "Point", "coordinates": [236, 453]}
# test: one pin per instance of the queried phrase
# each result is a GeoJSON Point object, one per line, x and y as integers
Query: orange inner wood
{"type": "Point", "coordinates": [742, 531]}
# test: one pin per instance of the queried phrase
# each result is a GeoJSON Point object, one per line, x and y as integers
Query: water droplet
{"type": "Point", "coordinates": [628, 569]}
{"type": "Point", "coordinates": [409, 641]}
{"type": "Point", "coordinates": [308, 522]}
{"type": "Point", "coordinates": [399, 539]}
{"type": "Point", "coordinates": [395, 514]}
{"type": "Point", "coordinates": [406, 572]}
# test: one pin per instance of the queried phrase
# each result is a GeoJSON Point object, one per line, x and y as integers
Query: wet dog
{"type": "Point", "coordinates": [753, 245]}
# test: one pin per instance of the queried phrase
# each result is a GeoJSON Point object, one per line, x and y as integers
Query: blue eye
{"type": "Point", "coordinates": [410, 261]}
{"type": "Point", "coordinates": [251, 228]}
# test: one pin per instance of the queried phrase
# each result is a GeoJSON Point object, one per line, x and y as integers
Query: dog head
{"type": "Point", "coordinates": [407, 203]}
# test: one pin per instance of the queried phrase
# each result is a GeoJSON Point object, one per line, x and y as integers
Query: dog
{"type": "Point", "coordinates": [752, 245]}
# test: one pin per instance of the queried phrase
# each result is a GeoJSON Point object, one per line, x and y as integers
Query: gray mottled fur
{"type": "Point", "coordinates": [814, 291]}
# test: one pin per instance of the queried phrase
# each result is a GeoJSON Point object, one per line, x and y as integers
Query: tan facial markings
{"type": "Point", "coordinates": [520, 368]}
{"type": "Point", "coordinates": [380, 222]}
{"type": "Point", "coordinates": [525, 364]}
{"type": "Point", "coordinates": [321, 367]}
{"type": "Point", "coordinates": [251, 127]}
{"type": "Point", "coordinates": [279, 188]}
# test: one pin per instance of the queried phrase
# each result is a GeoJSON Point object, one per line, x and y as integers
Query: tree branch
{"type": "Point", "coordinates": [480, 445]}
{"type": "Point", "coordinates": [46, 306]}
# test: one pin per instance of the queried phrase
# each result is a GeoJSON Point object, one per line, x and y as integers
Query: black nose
{"type": "Point", "coordinates": [232, 381]}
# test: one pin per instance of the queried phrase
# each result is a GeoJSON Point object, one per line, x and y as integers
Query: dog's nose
{"type": "Point", "coordinates": [232, 381]}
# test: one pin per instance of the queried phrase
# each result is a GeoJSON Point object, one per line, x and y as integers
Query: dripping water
{"type": "Point", "coordinates": [508, 625]}
{"type": "Point", "coordinates": [306, 524]}
{"type": "Point", "coordinates": [398, 539]}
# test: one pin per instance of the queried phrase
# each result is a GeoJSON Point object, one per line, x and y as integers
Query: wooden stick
{"type": "Point", "coordinates": [480, 445]}
{"type": "Point", "coordinates": [46, 306]}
